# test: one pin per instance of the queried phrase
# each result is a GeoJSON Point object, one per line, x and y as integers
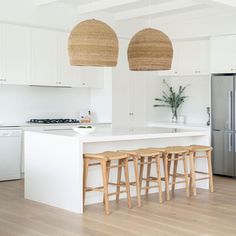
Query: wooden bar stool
{"type": "Point", "coordinates": [153, 157]}
{"type": "Point", "coordinates": [176, 154]}
{"type": "Point", "coordinates": [104, 159]}
{"type": "Point", "coordinates": [194, 154]}
{"type": "Point", "coordinates": [133, 157]}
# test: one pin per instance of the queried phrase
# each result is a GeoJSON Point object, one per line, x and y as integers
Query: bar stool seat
{"type": "Point", "coordinates": [106, 155]}
{"type": "Point", "coordinates": [175, 154]}
{"type": "Point", "coordinates": [104, 159]}
{"type": "Point", "coordinates": [200, 148]}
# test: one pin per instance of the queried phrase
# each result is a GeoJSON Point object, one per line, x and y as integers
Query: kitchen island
{"type": "Point", "coordinates": [54, 160]}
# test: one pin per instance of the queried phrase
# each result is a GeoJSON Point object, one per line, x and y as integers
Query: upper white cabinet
{"type": "Point", "coordinates": [92, 77]}
{"type": "Point", "coordinates": [14, 54]}
{"type": "Point", "coordinates": [223, 54]}
{"type": "Point", "coordinates": [190, 58]}
{"type": "Point", "coordinates": [45, 56]}
{"type": "Point", "coordinates": [68, 75]}
{"type": "Point", "coordinates": [51, 65]}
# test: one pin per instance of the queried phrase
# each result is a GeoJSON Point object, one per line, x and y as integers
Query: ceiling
{"type": "Point", "coordinates": [148, 9]}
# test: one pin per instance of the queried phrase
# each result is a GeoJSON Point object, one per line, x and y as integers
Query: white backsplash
{"type": "Point", "coordinates": [21, 103]}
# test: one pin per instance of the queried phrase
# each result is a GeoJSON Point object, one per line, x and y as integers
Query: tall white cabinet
{"type": "Point", "coordinates": [128, 92]}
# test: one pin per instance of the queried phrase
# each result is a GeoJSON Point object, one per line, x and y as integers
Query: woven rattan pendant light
{"type": "Point", "coordinates": [150, 50]}
{"type": "Point", "coordinates": [93, 43]}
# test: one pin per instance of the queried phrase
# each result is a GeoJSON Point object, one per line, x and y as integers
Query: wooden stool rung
{"type": "Point", "coordinates": [203, 178]}
{"type": "Point", "coordinates": [97, 189]}
{"type": "Point", "coordinates": [178, 182]}
{"type": "Point", "coordinates": [203, 173]}
{"type": "Point", "coordinates": [149, 187]}
{"type": "Point", "coordinates": [116, 193]}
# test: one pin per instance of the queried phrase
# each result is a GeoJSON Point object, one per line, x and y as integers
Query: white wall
{"type": "Point", "coordinates": [194, 108]}
{"type": "Point", "coordinates": [21, 103]}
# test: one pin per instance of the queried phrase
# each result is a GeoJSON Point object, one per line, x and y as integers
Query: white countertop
{"type": "Point", "coordinates": [181, 125]}
{"type": "Point", "coordinates": [108, 134]}
{"type": "Point", "coordinates": [28, 125]}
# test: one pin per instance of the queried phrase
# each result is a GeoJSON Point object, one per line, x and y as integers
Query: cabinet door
{"type": "Point", "coordinates": [69, 75]}
{"type": "Point", "coordinates": [137, 99]}
{"type": "Point", "coordinates": [44, 57]}
{"type": "Point", "coordinates": [120, 91]}
{"type": "Point", "coordinates": [92, 77]}
{"type": "Point", "coordinates": [201, 50]}
{"type": "Point", "coordinates": [17, 54]}
{"type": "Point", "coordinates": [2, 54]}
{"type": "Point", "coordinates": [223, 54]}
{"type": "Point", "coordinates": [175, 63]}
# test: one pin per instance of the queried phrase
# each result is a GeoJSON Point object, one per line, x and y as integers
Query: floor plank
{"type": "Point", "coordinates": [208, 214]}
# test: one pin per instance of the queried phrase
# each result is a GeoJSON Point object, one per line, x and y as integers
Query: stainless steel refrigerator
{"type": "Point", "coordinates": [224, 124]}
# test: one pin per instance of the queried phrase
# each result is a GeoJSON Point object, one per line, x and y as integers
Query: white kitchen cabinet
{"type": "Point", "coordinates": [2, 54]}
{"type": "Point", "coordinates": [120, 91]}
{"type": "Point", "coordinates": [128, 103]}
{"type": "Point", "coordinates": [223, 54]}
{"type": "Point", "coordinates": [69, 75]}
{"type": "Point", "coordinates": [14, 54]}
{"type": "Point", "coordinates": [44, 57]}
{"type": "Point", "coordinates": [137, 101]}
{"type": "Point", "coordinates": [51, 65]}
{"type": "Point", "coordinates": [191, 57]}
{"type": "Point", "coordinates": [92, 77]}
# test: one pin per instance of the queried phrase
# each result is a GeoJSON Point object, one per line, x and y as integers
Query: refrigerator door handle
{"type": "Point", "coordinates": [230, 142]}
{"type": "Point", "coordinates": [230, 109]}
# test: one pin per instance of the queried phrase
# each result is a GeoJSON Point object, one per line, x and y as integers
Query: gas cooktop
{"type": "Point", "coordinates": [54, 121]}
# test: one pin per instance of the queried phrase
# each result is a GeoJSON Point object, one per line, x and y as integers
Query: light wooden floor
{"type": "Point", "coordinates": [207, 214]}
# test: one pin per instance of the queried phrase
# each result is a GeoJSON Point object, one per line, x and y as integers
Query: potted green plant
{"type": "Point", "coordinates": [173, 99]}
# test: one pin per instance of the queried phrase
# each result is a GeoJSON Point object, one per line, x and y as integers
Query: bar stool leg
{"type": "Point", "coordinates": [186, 174]}
{"type": "Point", "coordinates": [105, 185]}
{"type": "Point", "coordinates": [158, 163]}
{"type": "Point", "coordinates": [126, 169]}
{"type": "Point", "coordinates": [142, 159]}
{"type": "Point", "coordinates": [211, 186]}
{"type": "Point", "coordinates": [118, 180]}
{"type": "Point", "coordinates": [148, 175]}
{"type": "Point", "coordinates": [86, 166]}
{"type": "Point", "coordinates": [108, 164]}
{"type": "Point", "coordinates": [137, 180]}
{"type": "Point", "coordinates": [192, 174]}
{"type": "Point", "coordinates": [174, 176]}
{"type": "Point", "coordinates": [166, 177]}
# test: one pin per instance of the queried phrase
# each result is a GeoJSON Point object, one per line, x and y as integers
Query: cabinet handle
{"type": "Point", "coordinates": [176, 72]}
{"type": "Point", "coordinates": [58, 82]}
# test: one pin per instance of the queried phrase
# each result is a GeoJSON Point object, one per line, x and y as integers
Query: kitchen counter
{"type": "Point", "coordinates": [30, 125]}
{"type": "Point", "coordinates": [189, 126]}
{"type": "Point", "coordinates": [54, 160]}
